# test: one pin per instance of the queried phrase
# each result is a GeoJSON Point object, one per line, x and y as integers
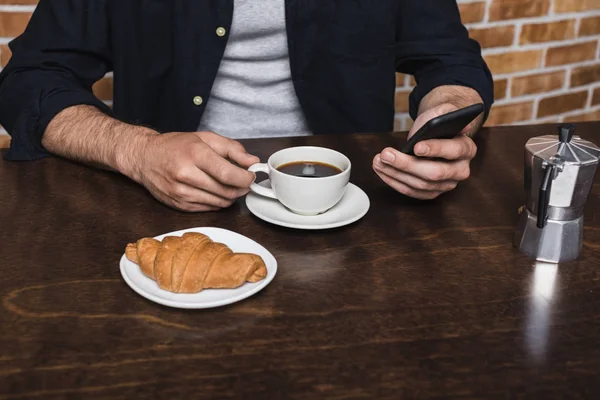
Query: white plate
{"type": "Point", "coordinates": [352, 207]}
{"type": "Point", "coordinates": [206, 298]}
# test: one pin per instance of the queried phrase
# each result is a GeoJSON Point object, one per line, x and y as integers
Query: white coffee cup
{"type": "Point", "coordinates": [304, 195]}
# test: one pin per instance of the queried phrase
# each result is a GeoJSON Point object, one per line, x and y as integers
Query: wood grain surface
{"type": "Point", "coordinates": [417, 300]}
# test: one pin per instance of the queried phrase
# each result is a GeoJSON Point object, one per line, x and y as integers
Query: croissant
{"type": "Point", "coordinates": [193, 262]}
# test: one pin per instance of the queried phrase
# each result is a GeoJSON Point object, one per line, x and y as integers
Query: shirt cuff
{"type": "Point", "coordinates": [26, 142]}
{"type": "Point", "coordinates": [479, 79]}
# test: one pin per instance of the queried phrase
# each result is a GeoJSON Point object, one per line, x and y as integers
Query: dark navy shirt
{"type": "Point", "coordinates": [165, 55]}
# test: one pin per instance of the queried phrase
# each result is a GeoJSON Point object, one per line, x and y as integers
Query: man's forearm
{"type": "Point", "coordinates": [85, 134]}
{"type": "Point", "coordinates": [459, 96]}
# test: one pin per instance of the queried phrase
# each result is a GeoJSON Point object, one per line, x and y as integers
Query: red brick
{"type": "Point", "coordinates": [585, 75]}
{"type": "Point", "coordinates": [537, 83]}
{"type": "Point", "coordinates": [4, 141]}
{"type": "Point", "coordinates": [588, 116]}
{"type": "Point", "coordinates": [5, 55]}
{"type": "Point", "coordinates": [513, 9]}
{"type": "Point", "coordinates": [400, 79]}
{"type": "Point", "coordinates": [514, 61]}
{"type": "Point", "coordinates": [596, 96]}
{"type": "Point", "coordinates": [573, 53]}
{"type": "Point", "coordinates": [548, 31]}
{"type": "Point", "coordinates": [402, 100]}
{"type": "Point", "coordinates": [510, 113]}
{"type": "Point", "coordinates": [562, 103]}
{"type": "Point", "coordinates": [563, 6]}
{"type": "Point", "coordinates": [103, 89]}
{"type": "Point", "coordinates": [500, 87]}
{"type": "Point", "coordinates": [472, 12]}
{"type": "Point", "coordinates": [498, 36]}
{"type": "Point", "coordinates": [13, 23]}
{"type": "Point", "coordinates": [590, 26]}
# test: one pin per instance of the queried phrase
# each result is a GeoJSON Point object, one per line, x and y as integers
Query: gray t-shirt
{"type": "Point", "coordinates": [253, 94]}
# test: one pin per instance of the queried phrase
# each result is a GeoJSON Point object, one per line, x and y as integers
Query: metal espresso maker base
{"type": "Point", "coordinates": [556, 242]}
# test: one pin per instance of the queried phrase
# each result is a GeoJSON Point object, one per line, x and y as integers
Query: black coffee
{"type": "Point", "coordinates": [309, 169]}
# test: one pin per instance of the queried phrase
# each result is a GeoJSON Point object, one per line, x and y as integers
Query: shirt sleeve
{"type": "Point", "coordinates": [434, 46]}
{"type": "Point", "coordinates": [64, 50]}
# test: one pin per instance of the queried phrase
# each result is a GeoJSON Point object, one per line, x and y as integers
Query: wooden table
{"type": "Point", "coordinates": [416, 300]}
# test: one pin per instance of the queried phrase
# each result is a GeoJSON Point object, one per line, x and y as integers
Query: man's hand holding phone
{"type": "Point", "coordinates": [437, 166]}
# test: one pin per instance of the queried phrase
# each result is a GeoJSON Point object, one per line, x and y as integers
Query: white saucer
{"type": "Point", "coordinates": [206, 298]}
{"type": "Point", "coordinates": [352, 207]}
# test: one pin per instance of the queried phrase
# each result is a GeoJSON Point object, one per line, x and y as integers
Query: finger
{"type": "Point", "coordinates": [198, 179]}
{"type": "Point", "coordinates": [229, 148]}
{"type": "Point", "coordinates": [459, 148]}
{"type": "Point", "coordinates": [430, 170]}
{"type": "Point", "coordinates": [237, 153]}
{"type": "Point", "coordinates": [407, 190]}
{"type": "Point", "coordinates": [180, 205]}
{"type": "Point", "coordinates": [413, 181]}
{"type": "Point", "coordinates": [185, 194]}
{"type": "Point", "coordinates": [222, 170]}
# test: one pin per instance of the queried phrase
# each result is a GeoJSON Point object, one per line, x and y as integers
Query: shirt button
{"type": "Point", "coordinates": [198, 100]}
{"type": "Point", "coordinates": [221, 31]}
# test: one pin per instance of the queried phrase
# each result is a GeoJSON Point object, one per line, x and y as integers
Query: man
{"type": "Point", "coordinates": [239, 68]}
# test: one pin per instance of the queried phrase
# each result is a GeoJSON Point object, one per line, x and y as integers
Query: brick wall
{"type": "Point", "coordinates": [544, 54]}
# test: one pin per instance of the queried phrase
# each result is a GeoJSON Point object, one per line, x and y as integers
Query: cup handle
{"type": "Point", "coordinates": [255, 187]}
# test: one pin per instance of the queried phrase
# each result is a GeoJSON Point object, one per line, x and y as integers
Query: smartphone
{"type": "Point", "coordinates": [445, 126]}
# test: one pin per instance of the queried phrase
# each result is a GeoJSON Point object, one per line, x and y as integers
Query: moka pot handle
{"type": "Point", "coordinates": [544, 196]}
